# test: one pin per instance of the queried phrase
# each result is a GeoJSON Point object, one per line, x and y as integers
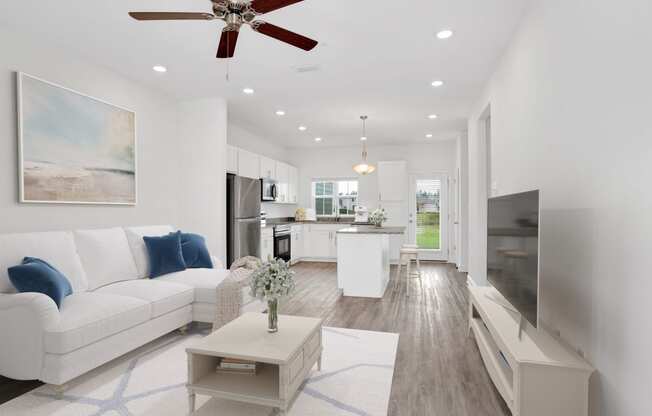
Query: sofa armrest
{"type": "Point", "coordinates": [24, 317]}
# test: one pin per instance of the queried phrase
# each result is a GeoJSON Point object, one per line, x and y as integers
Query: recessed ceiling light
{"type": "Point", "coordinates": [363, 138]}
{"type": "Point", "coordinates": [160, 68]}
{"type": "Point", "coordinates": [303, 128]}
{"type": "Point", "coordinates": [432, 116]}
{"type": "Point", "coordinates": [280, 113]}
{"type": "Point", "coordinates": [318, 139]}
{"type": "Point", "coordinates": [429, 135]}
{"type": "Point", "coordinates": [437, 83]}
{"type": "Point", "coordinates": [445, 34]}
{"type": "Point", "coordinates": [248, 91]}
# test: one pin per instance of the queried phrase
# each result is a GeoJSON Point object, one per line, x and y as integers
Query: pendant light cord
{"type": "Point", "coordinates": [364, 134]}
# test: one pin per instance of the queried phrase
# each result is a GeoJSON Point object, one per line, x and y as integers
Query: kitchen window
{"type": "Point", "coordinates": [335, 198]}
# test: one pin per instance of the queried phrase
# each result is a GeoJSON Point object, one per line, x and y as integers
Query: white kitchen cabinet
{"type": "Point", "coordinates": [293, 187]}
{"type": "Point", "coordinates": [267, 168]}
{"type": "Point", "coordinates": [392, 181]}
{"type": "Point", "coordinates": [266, 243]}
{"type": "Point", "coordinates": [296, 247]}
{"type": "Point", "coordinates": [231, 159]}
{"type": "Point", "coordinates": [320, 241]}
{"type": "Point", "coordinates": [248, 164]}
{"type": "Point", "coordinates": [283, 182]}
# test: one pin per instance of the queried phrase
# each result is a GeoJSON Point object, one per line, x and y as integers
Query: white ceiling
{"type": "Point", "coordinates": [376, 57]}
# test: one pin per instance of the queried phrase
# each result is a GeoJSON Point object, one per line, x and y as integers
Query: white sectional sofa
{"type": "Point", "coordinates": [114, 307]}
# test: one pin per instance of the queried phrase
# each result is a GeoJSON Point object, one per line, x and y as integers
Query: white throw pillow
{"type": "Point", "coordinates": [106, 256]}
{"type": "Point", "coordinates": [138, 249]}
{"type": "Point", "coordinates": [57, 248]}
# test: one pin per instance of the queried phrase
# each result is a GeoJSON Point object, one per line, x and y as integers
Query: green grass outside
{"type": "Point", "coordinates": [428, 230]}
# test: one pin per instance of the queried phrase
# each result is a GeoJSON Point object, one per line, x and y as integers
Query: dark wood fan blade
{"type": "Point", "coordinates": [171, 16]}
{"type": "Point", "coordinates": [227, 43]}
{"type": "Point", "coordinates": [284, 35]}
{"type": "Point", "coordinates": [266, 6]}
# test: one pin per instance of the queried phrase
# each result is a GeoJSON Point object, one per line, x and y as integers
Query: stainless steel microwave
{"type": "Point", "coordinates": [268, 189]}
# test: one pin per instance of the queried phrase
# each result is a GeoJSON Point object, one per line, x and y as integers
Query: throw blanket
{"type": "Point", "coordinates": [229, 292]}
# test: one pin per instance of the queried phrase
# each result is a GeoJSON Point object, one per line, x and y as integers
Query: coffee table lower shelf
{"type": "Point", "coordinates": [262, 388]}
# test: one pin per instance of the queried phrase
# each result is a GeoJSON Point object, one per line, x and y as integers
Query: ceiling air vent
{"type": "Point", "coordinates": [307, 68]}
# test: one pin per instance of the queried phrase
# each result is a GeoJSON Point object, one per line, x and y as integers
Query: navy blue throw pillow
{"type": "Point", "coordinates": [195, 252]}
{"type": "Point", "coordinates": [165, 255]}
{"type": "Point", "coordinates": [36, 275]}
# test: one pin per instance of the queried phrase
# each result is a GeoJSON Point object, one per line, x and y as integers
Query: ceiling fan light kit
{"type": "Point", "coordinates": [236, 13]}
{"type": "Point", "coordinates": [364, 167]}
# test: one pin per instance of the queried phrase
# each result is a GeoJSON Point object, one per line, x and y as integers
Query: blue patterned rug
{"type": "Point", "coordinates": [355, 380]}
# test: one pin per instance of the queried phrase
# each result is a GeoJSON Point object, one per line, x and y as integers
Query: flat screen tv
{"type": "Point", "coordinates": [513, 250]}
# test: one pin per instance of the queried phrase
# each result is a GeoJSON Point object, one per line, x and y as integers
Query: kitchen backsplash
{"type": "Point", "coordinates": [278, 210]}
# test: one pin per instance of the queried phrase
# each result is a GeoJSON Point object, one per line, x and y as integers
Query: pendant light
{"type": "Point", "coordinates": [364, 167]}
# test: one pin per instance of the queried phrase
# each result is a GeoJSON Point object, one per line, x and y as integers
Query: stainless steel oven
{"type": "Point", "coordinates": [283, 242]}
{"type": "Point", "coordinates": [268, 189]}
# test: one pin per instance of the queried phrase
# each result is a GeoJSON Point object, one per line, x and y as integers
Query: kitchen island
{"type": "Point", "coordinates": [363, 260]}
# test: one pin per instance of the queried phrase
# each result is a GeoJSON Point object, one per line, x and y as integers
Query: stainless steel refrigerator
{"type": "Point", "coordinates": [243, 217]}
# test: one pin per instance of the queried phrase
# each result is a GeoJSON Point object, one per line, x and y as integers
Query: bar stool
{"type": "Point", "coordinates": [409, 252]}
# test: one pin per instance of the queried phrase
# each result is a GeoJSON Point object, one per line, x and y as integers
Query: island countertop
{"type": "Point", "coordinates": [370, 229]}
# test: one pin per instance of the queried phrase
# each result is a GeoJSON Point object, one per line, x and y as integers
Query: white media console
{"type": "Point", "coordinates": [534, 372]}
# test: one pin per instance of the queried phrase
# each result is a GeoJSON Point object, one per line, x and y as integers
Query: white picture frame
{"type": "Point", "coordinates": [110, 178]}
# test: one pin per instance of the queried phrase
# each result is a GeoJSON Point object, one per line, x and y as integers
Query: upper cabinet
{"type": "Point", "coordinates": [251, 165]}
{"type": "Point", "coordinates": [283, 182]}
{"type": "Point", "coordinates": [293, 186]}
{"type": "Point", "coordinates": [392, 181]}
{"type": "Point", "coordinates": [248, 164]}
{"type": "Point", "coordinates": [231, 159]}
{"type": "Point", "coordinates": [268, 168]}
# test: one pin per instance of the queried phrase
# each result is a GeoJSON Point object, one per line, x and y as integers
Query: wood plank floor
{"type": "Point", "coordinates": [439, 371]}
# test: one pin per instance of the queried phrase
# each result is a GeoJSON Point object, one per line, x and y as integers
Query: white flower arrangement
{"type": "Point", "coordinates": [272, 281]}
{"type": "Point", "coordinates": [378, 217]}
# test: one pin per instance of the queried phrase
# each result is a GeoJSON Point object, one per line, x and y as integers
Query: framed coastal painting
{"type": "Point", "coordinates": [73, 149]}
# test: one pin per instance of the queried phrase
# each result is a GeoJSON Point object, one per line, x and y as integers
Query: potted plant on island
{"type": "Point", "coordinates": [271, 282]}
{"type": "Point", "coordinates": [378, 217]}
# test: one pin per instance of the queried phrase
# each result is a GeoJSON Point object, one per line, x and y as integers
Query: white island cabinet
{"type": "Point", "coordinates": [363, 260]}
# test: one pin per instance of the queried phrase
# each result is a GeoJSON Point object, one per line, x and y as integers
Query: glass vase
{"type": "Point", "coordinates": [272, 315]}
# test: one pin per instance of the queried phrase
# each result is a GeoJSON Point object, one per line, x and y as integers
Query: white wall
{"type": "Point", "coordinates": [202, 157]}
{"type": "Point", "coordinates": [240, 136]}
{"type": "Point", "coordinates": [570, 105]}
{"type": "Point", "coordinates": [162, 174]}
{"type": "Point", "coordinates": [338, 162]}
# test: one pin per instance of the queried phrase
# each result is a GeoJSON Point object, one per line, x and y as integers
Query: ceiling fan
{"type": "Point", "coordinates": [237, 13]}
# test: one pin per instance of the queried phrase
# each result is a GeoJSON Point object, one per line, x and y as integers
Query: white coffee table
{"type": "Point", "coordinates": [285, 358]}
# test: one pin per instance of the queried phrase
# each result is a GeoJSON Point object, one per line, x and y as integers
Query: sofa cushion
{"type": "Point", "coordinates": [165, 254]}
{"type": "Point", "coordinates": [88, 317]}
{"type": "Point", "coordinates": [164, 296]}
{"type": "Point", "coordinates": [57, 248]}
{"type": "Point", "coordinates": [106, 256]}
{"type": "Point", "coordinates": [137, 244]}
{"type": "Point", "coordinates": [36, 275]}
{"type": "Point", "coordinates": [204, 281]}
{"type": "Point", "coordinates": [195, 252]}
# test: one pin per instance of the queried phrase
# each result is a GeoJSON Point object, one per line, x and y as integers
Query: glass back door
{"type": "Point", "coordinates": [429, 215]}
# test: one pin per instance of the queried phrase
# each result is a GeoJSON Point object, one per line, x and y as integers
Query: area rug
{"type": "Point", "coordinates": [356, 379]}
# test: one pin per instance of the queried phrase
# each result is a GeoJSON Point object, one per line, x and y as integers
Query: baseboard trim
{"type": "Point", "coordinates": [317, 260]}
